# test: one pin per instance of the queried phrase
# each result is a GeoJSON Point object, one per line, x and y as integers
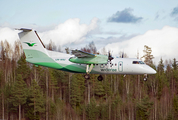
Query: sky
{"type": "Point", "coordinates": [118, 26]}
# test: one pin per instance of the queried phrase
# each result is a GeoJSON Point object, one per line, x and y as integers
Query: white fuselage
{"type": "Point", "coordinates": [116, 66]}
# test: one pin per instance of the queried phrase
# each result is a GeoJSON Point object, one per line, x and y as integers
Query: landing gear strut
{"type": "Point", "coordinates": [88, 70]}
{"type": "Point", "coordinates": [145, 77]}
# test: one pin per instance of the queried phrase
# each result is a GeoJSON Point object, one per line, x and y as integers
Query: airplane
{"type": "Point", "coordinates": [79, 61]}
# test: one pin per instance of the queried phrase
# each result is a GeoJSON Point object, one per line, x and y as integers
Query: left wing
{"type": "Point", "coordinates": [82, 54]}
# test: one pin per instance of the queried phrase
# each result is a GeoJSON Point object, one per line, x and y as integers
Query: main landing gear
{"type": "Point", "coordinates": [88, 70]}
{"type": "Point", "coordinates": [100, 77]}
{"type": "Point", "coordinates": [87, 76]}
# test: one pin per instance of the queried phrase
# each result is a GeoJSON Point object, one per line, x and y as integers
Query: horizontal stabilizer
{"type": "Point", "coordinates": [24, 29]}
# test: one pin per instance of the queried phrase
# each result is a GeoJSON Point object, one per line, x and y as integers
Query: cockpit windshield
{"type": "Point", "coordinates": [138, 62]}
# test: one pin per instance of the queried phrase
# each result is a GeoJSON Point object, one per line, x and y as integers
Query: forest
{"type": "Point", "coordinates": [29, 92]}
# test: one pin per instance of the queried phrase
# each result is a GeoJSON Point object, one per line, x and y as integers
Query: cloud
{"type": "Point", "coordinates": [8, 34]}
{"type": "Point", "coordinates": [163, 43]}
{"type": "Point", "coordinates": [174, 12]}
{"type": "Point", "coordinates": [124, 16]}
{"type": "Point", "coordinates": [71, 31]}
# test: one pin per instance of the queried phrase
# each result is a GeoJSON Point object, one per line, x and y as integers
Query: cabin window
{"type": "Point", "coordinates": [115, 64]}
{"type": "Point", "coordinates": [138, 62]}
{"type": "Point", "coordinates": [141, 62]}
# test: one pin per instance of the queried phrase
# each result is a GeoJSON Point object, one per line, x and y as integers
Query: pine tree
{"type": "Point", "coordinates": [174, 64]}
{"type": "Point", "coordinates": [77, 90]}
{"type": "Point", "coordinates": [143, 109]}
{"type": "Point", "coordinates": [92, 110]}
{"type": "Point", "coordinates": [23, 68]}
{"type": "Point", "coordinates": [99, 89]}
{"type": "Point", "coordinates": [19, 93]}
{"type": "Point", "coordinates": [37, 100]}
{"type": "Point", "coordinates": [175, 106]}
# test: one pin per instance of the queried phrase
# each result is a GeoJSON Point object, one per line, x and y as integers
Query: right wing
{"type": "Point", "coordinates": [82, 57]}
{"type": "Point", "coordinates": [82, 54]}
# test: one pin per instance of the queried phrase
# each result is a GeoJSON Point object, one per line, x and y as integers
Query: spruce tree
{"type": "Point", "coordinates": [143, 109]}
{"type": "Point", "coordinates": [37, 100]}
{"type": "Point", "coordinates": [23, 68]}
{"type": "Point", "coordinates": [19, 93]}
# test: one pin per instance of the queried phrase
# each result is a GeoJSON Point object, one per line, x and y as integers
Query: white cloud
{"type": "Point", "coordinates": [71, 31]}
{"type": "Point", "coordinates": [163, 43]}
{"type": "Point", "coordinates": [8, 34]}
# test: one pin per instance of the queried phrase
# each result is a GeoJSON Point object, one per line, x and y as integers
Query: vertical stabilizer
{"type": "Point", "coordinates": [32, 44]}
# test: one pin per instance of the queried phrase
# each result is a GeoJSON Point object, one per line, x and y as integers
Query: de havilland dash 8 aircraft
{"type": "Point", "coordinates": [79, 61]}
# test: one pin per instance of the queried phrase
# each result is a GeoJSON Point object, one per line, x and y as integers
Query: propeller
{"type": "Point", "coordinates": [110, 56]}
{"type": "Point", "coordinates": [122, 54]}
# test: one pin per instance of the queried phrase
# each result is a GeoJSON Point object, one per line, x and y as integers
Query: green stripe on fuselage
{"type": "Point", "coordinates": [40, 58]}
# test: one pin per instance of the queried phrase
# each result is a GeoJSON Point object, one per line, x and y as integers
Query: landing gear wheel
{"type": "Point", "coordinates": [100, 77]}
{"type": "Point", "coordinates": [87, 76]}
{"type": "Point", "coordinates": [145, 77]}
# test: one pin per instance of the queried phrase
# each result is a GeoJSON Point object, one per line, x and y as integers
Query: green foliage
{"type": "Point", "coordinates": [92, 110]}
{"type": "Point", "coordinates": [174, 64]}
{"type": "Point", "coordinates": [143, 109]}
{"type": "Point", "coordinates": [103, 111]}
{"type": "Point", "coordinates": [99, 89]}
{"type": "Point", "coordinates": [19, 92]}
{"type": "Point", "coordinates": [106, 86]}
{"type": "Point", "coordinates": [77, 90]}
{"type": "Point", "coordinates": [23, 68]}
{"type": "Point", "coordinates": [175, 106]}
{"type": "Point", "coordinates": [35, 105]}
{"type": "Point", "coordinates": [36, 98]}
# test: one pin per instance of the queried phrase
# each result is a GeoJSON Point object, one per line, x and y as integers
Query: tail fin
{"type": "Point", "coordinates": [32, 44]}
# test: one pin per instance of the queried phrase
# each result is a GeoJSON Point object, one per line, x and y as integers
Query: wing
{"type": "Point", "coordinates": [82, 54]}
{"type": "Point", "coordinates": [82, 57]}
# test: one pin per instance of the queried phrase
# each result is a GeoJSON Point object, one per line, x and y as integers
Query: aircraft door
{"type": "Point", "coordinates": [120, 66]}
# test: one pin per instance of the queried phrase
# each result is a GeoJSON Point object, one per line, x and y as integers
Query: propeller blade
{"type": "Point", "coordinates": [110, 56]}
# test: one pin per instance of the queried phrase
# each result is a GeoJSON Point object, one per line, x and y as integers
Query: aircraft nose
{"type": "Point", "coordinates": [150, 70]}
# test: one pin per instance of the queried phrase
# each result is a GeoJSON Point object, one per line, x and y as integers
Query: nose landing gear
{"type": "Point", "coordinates": [145, 77]}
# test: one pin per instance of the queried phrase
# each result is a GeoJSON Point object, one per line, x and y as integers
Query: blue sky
{"type": "Point", "coordinates": [102, 21]}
